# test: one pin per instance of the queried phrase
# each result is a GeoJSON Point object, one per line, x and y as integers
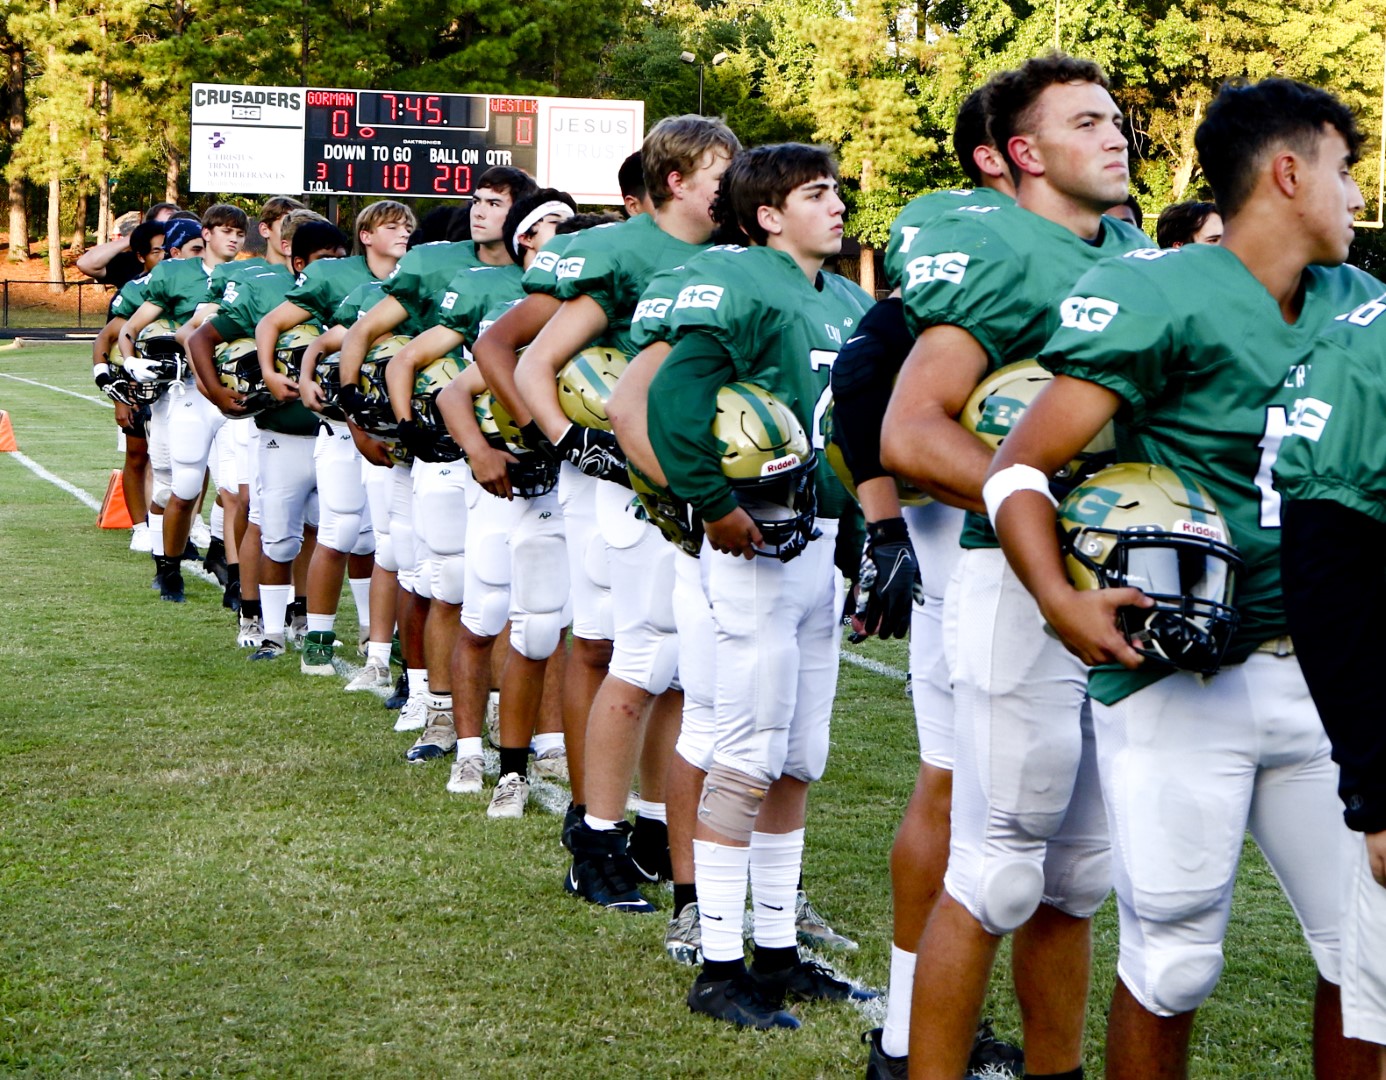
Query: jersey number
{"type": "Point", "coordinates": [1277, 427]}
{"type": "Point", "coordinates": [818, 359]}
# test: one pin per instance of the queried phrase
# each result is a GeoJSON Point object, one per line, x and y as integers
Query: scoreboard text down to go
{"type": "Point", "coordinates": [374, 142]}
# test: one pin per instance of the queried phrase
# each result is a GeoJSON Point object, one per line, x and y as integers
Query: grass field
{"type": "Point", "coordinates": [212, 868]}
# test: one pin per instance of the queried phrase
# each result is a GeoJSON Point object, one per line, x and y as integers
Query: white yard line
{"type": "Point", "coordinates": [857, 660]}
{"type": "Point", "coordinates": [58, 389]}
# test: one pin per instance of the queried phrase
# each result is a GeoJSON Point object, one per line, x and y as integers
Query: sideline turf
{"type": "Point", "coordinates": [211, 868]}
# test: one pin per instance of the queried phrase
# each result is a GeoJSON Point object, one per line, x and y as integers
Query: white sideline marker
{"type": "Point", "coordinates": [59, 390]}
{"type": "Point", "coordinates": [857, 660]}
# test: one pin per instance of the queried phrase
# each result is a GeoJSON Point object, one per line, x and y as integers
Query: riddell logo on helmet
{"type": "Point", "coordinates": [1204, 530]}
{"type": "Point", "coordinates": [779, 465]}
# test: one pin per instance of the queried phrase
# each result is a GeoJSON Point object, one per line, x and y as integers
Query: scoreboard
{"type": "Point", "coordinates": [267, 140]}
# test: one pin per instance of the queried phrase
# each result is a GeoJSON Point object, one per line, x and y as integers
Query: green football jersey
{"type": "Point", "coordinates": [1335, 445]}
{"type": "Point", "coordinates": [541, 276]}
{"type": "Point", "coordinates": [650, 321]}
{"type": "Point", "coordinates": [1207, 371]}
{"type": "Point", "coordinates": [178, 286]}
{"type": "Point", "coordinates": [236, 270]}
{"type": "Point", "coordinates": [324, 283]}
{"type": "Point", "coordinates": [247, 299]}
{"type": "Point", "coordinates": [783, 333]}
{"type": "Point", "coordinates": [494, 314]}
{"type": "Point", "coordinates": [613, 264]}
{"type": "Point", "coordinates": [473, 293]}
{"type": "Point", "coordinates": [998, 272]}
{"type": "Point", "coordinates": [128, 300]}
{"type": "Point", "coordinates": [362, 298]}
{"type": "Point", "coordinates": [922, 212]}
{"type": "Point", "coordinates": [420, 278]}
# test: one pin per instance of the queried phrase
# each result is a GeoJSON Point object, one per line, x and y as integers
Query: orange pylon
{"type": "Point", "coordinates": [7, 443]}
{"type": "Point", "coordinates": [114, 513]}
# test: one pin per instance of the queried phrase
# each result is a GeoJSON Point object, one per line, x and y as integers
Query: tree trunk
{"type": "Point", "coordinates": [19, 208]}
{"type": "Point", "coordinates": [174, 166]}
{"type": "Point", "coordinates": [79, 231]}
{"type": "Point", "coordinates": [55, 186]}
{"type": "Point", "coordinates": [866, 270]}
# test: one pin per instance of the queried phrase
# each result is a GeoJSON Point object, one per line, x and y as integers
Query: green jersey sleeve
{"type": "Point", "coordinates": [650, 321]}
{"type": "Point", "coordinates": [682, 406]}
{"type": "Point", "coordinates": [919, 214]}
{"type": "Point", "coordinates": [248, 300]}
{"type": "Point", "coordinates": [542, 276]}
{"type": "Point", "coordinates": [128, 300]}
{"type": "Point", "coordinates": [362, 298]}
{"type": "Point", "coordinates": [474, 292]}
{"type": "Point", "coordinates": [177, 287]}
{"type": "Point", "coordinates": [421, 277]}
{"type": "Point", "coordinates": [324, 283]}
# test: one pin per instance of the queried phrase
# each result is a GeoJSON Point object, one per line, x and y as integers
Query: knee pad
{"type": "Point", "coordinates": [418, 580]}
{"type": "Point", "coordinates": [405, 545]}
{"type": "Point", "coordinates": [540, 582]}
{"type": "Point", "coordinates": [385, 552]}
{"type": "Point", "coordinates": [1077, 881]}
{"type": "Point", "coordinates": [186, 480]}
{"type": "Point", "coordinates": [311, 513]}
{"type": "Point", "coordinates": [665, 666]}
{"type": "Point", "coordinates": [448, 580]}
{"type": "Point", "coordinates": [340, 530]}
{"type": "Point", "coordinates": [806, 756]}
{"type": "Point", "coordinates": [486, 616]}
{"type": "Point", "coordinates": [730, 802]}
{"type": "Point", "coordinates": [491, 560]}
{"type": "Point", "coordinates": [365, 541]}
{"type": "Point", "coordinates": [697, 737]}
{"type": "Point", "coordinates": [1011, 891]}
{"type": "Point", "coordinates": [594, 561]}
{"type": "Point", "coordinates": [163, 488]}
{"type": "Point", "coordinates": [535, 637]}
{"type": "Point", "coordinates": [282, 551]}
{"type": "Point", "coordinates": [1180, 978]}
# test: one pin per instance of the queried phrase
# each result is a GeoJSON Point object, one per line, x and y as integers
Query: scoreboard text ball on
{"type": "Point", "coordinates": [267, 140]}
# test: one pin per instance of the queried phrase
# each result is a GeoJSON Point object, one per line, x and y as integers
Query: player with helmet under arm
{"type": "Point", "coordinates": [767, 316]}
{"type": "Point", "coordinates": [174, 290]}
{"type": "Point", "coordinates": [1195, 353]}
{"type": "Point", "coordinates": [1028, 847]}
{"type": "Point", "coordinates": [915, 542]}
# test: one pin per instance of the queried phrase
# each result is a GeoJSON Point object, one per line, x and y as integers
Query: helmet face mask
{"type": "Point", "coordinates": [327, 376]}
{"type": "Point", "coordinates": [375, 417]}
{"type": "Point", "coordinates": [289, 349]}
{"type": "Point", "coordinates": [531, 474]}
{"type": "Point", "coordinates": [673, 517]}
{"type": "Point", "coordinates": [161, 359]}
{"type": "Point", "coordinates": [427, 385]}
{"type": "Point", "coordinates": [238, 369]}
{"type": "Point", "coordinates": [1146, 527]}
{"type": "Point", "coordinates": [769, 462]}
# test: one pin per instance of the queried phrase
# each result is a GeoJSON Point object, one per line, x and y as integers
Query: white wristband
{"type": "Point", "coordinates": [1001, 486]}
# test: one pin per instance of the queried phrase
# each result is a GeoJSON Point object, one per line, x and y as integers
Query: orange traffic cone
{"type": "Point", "coordinates": [7, 443]}
{"type": "Point", "coordinates": [114, 513]}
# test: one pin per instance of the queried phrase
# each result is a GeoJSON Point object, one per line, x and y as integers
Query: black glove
{"type": "Point", "coordinates": [113, 388]}
{"type": "Point", "coordinates": [351, 400]}
{"type": "Point", "coordinates": [594, 452]}
{"type": "Point", "coordinates": [419, 441]}
{"type": "Point", "coordinates": [532, 438]}
{"type": "Point", "coordinates": [890, 583]}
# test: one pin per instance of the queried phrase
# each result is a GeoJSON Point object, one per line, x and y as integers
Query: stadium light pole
{"type": "Point", "coordinates": [690, 58]}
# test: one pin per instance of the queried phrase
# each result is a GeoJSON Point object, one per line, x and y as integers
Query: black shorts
{"type": "Point", "coordinates": [139, 423]}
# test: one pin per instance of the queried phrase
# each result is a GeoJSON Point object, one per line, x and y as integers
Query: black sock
{"type": "Point", "coordinates": [1072, 1074]}
{"type": "Point", "coordinates": [684, 895]}
{"type": "Point", "coordinates": [800, 886]}
{"type": "Point", "coordinates": [298, 609]}
{"type": "Point", "coordinates": [514, 761]}
{"type": "Point", "coordinates": [718, 970]}
{"type": "Point", "coordinates": [250, 609]}
{"type": "Point", "coordinates": [768, 961]}
{"type": "Point", "coordinates": [233, 574]}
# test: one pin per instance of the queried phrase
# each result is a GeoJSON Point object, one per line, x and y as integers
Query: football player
{"type": "Point", "coordinates": [1330, 472]}
{"type": "Point", "coordinates": [333, 293]}
{"type": "Point", "coordinates": [1188, 223]}
{"type": "Point", "coordinates": [600, 281]}
{"type": "Point", "coordinates": [409, 306]}
{"type": "Point", "coordinates": [1028, 848]}
{"type": "Point", "coordinates": [909, 545]}
{"type": "Point", "coordinates": [482, 525]}
{"type": "Point", "coordinates": [146, 242]}
{"type": "Point", "coordinates": [1197, 354]}
{"type": "Point", "coordinates": [767, 316]}
{"type": "Point", "coordinates": [174, 290]}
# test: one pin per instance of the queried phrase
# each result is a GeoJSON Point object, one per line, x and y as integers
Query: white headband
{"type": "Point", "coordinates": [537, 215]}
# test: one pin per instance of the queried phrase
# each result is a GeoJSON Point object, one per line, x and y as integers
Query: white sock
{"type": "Point", "coordinates": [218, 522]}
{"type": "Point", "coordinates": [378, 650]}
{"type": "Point", "coordinates": [361, 593]}
{"type": "Point", "coordinates": [320, 623]}
{"type": "Point", "coordinates": [654, 811]}
{"type": "Point", "coordinates": [418, 680]}
{"type": "Point", "coordinates": [274, 605]}
{"type": "Point", "coordinates": [141, 527]}
{"type": "Point", "coordinates": [720, 871]}
{"type": "Point", "coordinates": [895, 1033]}
{"type": "Point", "coordinates": [547, 740]}
{"type": "Point", "coordinates": [776, 859]}
{"type": "Point", "coordinates": [156, 531]}
{"type": "Point", "coordinates": [600, 824]}
{"type": "Point", "coordinates": [468, 748]}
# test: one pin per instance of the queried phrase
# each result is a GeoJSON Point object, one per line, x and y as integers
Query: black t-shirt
{"type": "Point", "coordinates": [126, 266]}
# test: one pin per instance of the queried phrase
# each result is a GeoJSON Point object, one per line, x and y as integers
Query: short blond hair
{"type": "Point", "coordinates": [678, 144]}
{"type": "Point", "coordinates": [278, 206]}
{"type": "Point", "coordinates": [383, 212]}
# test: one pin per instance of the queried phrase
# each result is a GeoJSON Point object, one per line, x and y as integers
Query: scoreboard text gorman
{"type": "Point", "coordinates": [269, 139]}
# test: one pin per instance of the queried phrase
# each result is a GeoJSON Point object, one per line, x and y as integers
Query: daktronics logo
{"type": "Point", "coordinates": [1204, 530]}
{"type": "Point", "coordinates": [779, 465]}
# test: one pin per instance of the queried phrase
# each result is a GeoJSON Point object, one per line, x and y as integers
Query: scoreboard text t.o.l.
{"type": "Point", "coordinates": [404, 143]}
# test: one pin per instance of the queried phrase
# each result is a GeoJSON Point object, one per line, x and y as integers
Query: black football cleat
{"type": "Point", "coordinates": [879, 1064]}
{"type": "Point", "coordinates": [806, 981]}
{"type": "Point", "coordinates": [736, 1001]}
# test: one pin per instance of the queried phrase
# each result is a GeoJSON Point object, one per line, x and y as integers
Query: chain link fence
{"type": "Point", "coordinates": [33, 305]}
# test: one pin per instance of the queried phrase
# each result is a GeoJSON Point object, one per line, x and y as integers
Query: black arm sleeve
{"type": "Point", "coordinates": [1334, 575]}
{"type": "Point", "coordinates": [863, 377]}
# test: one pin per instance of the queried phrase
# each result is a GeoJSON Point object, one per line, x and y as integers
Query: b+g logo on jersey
{"type": "Point", "coordinates": [700, 296]}
{"type": "Point", "coordinates": [654, 308]}
{"type": "Point", "coordinates": [946, 266]}
{"type": "Point", "coordinates": [1090, 314]}
{"type": "Point", "coordinates": [449, 299]}
{"type": "Point", "coordinates": [570, 268]}
{"type": "Point", "coordinates": [545, 262]}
